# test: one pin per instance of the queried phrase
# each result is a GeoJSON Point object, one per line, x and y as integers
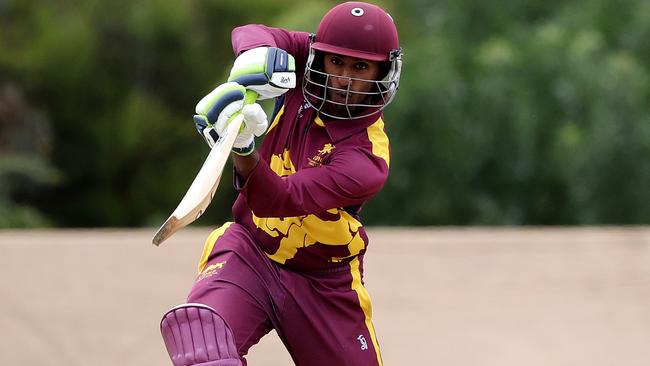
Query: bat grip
{"type": "Point", "coordinates": [250, 97]}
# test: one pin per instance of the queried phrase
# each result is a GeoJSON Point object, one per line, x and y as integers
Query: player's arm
{"type": "Point", "coordinates": [262, 65]}
{"type": "Point", "coordinates": [268, 72]}
{"type": "Point", "coordinates": [244, 165]}
{"type": "Point", "coordinates": [351, 177]}
{"type": "Point", "coordinates": [257, 35]}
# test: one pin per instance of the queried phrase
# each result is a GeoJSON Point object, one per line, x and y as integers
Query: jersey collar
{"type": "Point", "coordinates": [339, 129]}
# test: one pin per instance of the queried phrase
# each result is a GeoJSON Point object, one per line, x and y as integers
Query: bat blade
{"type": "Point", "coordinates": [202, 190]}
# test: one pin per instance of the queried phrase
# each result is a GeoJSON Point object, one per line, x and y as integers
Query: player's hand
{"type": "Point", "coordinates": [217, 109]}
{"type": "Point", "coordinates": [228, 96]}
{"type": "Point", "coordinates": [269, 71]}
{"type": "Point", "coordinates": [255, 124]}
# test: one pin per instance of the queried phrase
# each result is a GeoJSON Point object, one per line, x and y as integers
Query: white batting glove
{"type": "Point", "coordinates": [255, 124]}
{"type": "Point", "coordinates": [269, 71]}
{"type": "Point", "coordinates": [226, 96]}
{"type": "Point", "coordinates": [255, 119]}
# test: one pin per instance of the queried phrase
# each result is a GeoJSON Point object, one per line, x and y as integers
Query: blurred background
{"type": "Point", "coordinates": [522, 113]}
{"type": "Point", "coordinates": [516, 121]}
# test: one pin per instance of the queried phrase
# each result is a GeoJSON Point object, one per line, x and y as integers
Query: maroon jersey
{"type": "Point", "coordinates": [301, 202]}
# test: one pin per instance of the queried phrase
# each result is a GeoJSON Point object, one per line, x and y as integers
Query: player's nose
{"type": "Point", "coordinates": [344, 79]}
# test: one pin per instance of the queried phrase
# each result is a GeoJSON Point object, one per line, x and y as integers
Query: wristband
{"type": "Point", "coordinates": [244, 151]}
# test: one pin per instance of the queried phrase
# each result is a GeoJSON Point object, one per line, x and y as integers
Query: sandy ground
{"type": "Point", "coordinates": [441, 297]}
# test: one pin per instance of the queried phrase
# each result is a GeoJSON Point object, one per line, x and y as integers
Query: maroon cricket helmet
{"type": "Point", "coordinates": [359, 30]}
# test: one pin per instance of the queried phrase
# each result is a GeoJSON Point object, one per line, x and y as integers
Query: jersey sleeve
{"type": "Point", "coordinates": [350, 178]}
{"type": "Point", "coordinates": [251, 36]}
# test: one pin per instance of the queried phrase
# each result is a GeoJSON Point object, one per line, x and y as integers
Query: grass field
{"type": "Point", "coordinates": [460, 297]}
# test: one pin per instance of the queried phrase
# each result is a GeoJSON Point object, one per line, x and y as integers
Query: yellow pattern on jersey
{"type": "Point", "coordinates": [302, 231]}
{"type": "Point", "coordinates": [281, 164]}
{"type": "Point", "coordinates": [276, 119]}
{"type": "Point", "coordinates": [379, 140]}
{"type": "Point", "coordinates": [319, 122]}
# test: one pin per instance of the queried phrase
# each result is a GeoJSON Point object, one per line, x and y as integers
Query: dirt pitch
{"type": "Point", "coordinates": [474, 297]}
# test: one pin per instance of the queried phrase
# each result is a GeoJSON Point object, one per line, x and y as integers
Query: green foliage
{"type": "Point", "coordinates": [528, 112]}
{"type": "Point", "coordinates": [525, 113]}
{"type": "Point", "coordinates": [19, 174]}
{"type": "Point", "coordinates": [119, 81]}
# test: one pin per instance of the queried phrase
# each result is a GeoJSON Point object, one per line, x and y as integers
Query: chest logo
{"type": "Point", "coordinates": [317, 160]}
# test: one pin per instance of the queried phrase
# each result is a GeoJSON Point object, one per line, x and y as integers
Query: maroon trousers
{"type": "Point", "coordinates": [322, 317]}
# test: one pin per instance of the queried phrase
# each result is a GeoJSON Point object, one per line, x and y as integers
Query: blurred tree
{"type": "Point", "coordinates": [523, 113]}
{"type": "Point", "coordinates": [25, 142]}
{"type": "Point", "coordinates": [120, 81]}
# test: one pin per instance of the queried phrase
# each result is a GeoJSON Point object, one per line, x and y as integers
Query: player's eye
{"type": "Point", "coordinates": [361, 66]}
{"type": "Point", "coordinates": [336, 61]}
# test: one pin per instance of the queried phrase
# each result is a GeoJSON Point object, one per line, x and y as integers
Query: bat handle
{"type": "Point", "coordinates": [250, 97]}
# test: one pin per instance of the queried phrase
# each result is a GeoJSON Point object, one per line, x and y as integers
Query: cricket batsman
{"type": "Point", "coordinates": [292, 259]}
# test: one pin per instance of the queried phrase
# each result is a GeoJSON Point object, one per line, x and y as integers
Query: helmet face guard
{"type": "Point", "coordinates": [318, 90]}
{"type": "Point", "coordinates": [363, 31]}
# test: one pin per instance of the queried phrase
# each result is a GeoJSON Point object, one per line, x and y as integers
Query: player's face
{"type": "Point", "coordinates": [346, 70]}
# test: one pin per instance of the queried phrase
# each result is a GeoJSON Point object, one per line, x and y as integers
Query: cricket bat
{"type": "Point", "coordinates": [202, 190]}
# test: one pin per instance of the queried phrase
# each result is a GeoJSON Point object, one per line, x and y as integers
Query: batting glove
{"type": "Point", "coordinates": [255, 124]}
{"type": "Point", "coordinates": [217, 109]}
{"type": "Point", "coordinates": [269, 71]}
{"type": "Point", "coordinates": [210, 107]}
